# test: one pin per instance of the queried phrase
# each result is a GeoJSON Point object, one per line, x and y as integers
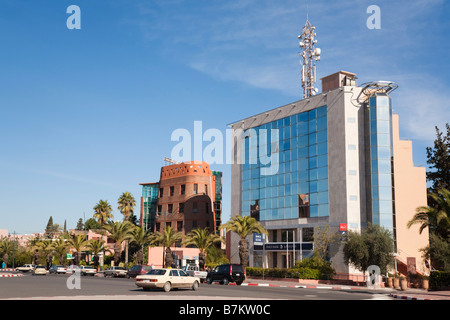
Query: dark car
{"type": "Point", "coordinates": [137, 270]}
{"type": "Point", "coordinates": [226, 273]}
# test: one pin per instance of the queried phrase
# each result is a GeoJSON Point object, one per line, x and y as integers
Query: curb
{"type": "Point", "coordinates": [10, 275]}
{"type": "Point", "coordinates": [407, 297]}
{"type": "Point", "coordinates": [293, 286]}
{"type": "Point", "coordinates": [7, 270]}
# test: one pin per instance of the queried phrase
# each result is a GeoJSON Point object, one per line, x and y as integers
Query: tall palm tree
{"type": "Point", "coordinates": [167, 238]}
{"type": "Point", "coordinates": [202, 239]}
{"type": "Point", "coordinates": [119, 232]}
{"type": "Point", "coordinates": [78, 243]}
{"type": "Point", "coordinates": [126, 204]}
{"type": "Point", "coordinates": [102, 213]}
{"type": "Point", "coordinates": [142, 238]}
{"type": "Point", "coordinates": [436, 217]}
{"type": "Point", "coordinates": [243, 227]}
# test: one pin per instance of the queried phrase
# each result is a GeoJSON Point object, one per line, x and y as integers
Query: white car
{"type": "Point", "coordinates": [57, 269]}
{"type": "Point", "coordinates": [167, 279]}
{"type": "Point", "coordinates": [71, 269]}
{"type": "Point", "coordinates": [26, 268]}
{"type": "Point", "coordinates": [85, 270]}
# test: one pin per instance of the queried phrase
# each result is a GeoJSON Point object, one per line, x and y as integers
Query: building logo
{"type": "Point", "coordinates": [190, 146]}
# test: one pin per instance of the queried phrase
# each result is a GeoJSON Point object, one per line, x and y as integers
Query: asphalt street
{"type": "Point", "coordinates": [54, 287]}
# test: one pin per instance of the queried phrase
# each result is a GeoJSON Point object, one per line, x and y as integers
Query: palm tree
{"type": "Point", "coordinates": [142, 238]}
{"type": "Point", "coordinates": [46, 247]}
{"type": "Point", "coordinates": [60, 246]}
{"type": "Point", "coordinates": [96, 246]}
{"type": "Point", "coordinates": [119, 232]}
{"type": "Point", "coordinates": [6, 247]}
{"type": "Point", "coordinates": [202, 239]}
{"type": "Point", "coordinates": [78, 242]}
{"type": "Point", "coordinates": [435, 217]}
{"type": "Point", "coordinates": [102, 214]}
{"type": "Point", "coordinates": [243, 226]}
{"type": "Point", "coordinates": [167, 238]}
{"type": "Point", "coordinates": [126, 207]}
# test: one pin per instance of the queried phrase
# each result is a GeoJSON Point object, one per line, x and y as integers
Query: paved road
{"type": "Point", "coordinates": [54, 287]}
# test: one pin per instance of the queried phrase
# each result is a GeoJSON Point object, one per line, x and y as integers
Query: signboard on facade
{"type": "Point", "coordinates": [257, 238]}
{"type": "Point", "coordinates": [284, 246]}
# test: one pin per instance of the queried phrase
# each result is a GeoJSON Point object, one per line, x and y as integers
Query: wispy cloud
{"type": "Point", "coordinates": [60, 175]}
{"type": "Point", "coordinates": [255, 43]}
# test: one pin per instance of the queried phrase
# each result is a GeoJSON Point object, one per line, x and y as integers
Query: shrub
{"type": "Point", "coordinates": [296, 273]}
{"type": "Point", "coordinates": [439, 279]}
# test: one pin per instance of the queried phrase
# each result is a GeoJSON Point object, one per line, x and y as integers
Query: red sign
{"type": "Point", "coordinates": [342, 227]}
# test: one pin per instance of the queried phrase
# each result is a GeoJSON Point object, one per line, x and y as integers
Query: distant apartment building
{"type": "Point", "coordinates": [336, 160]}
{"type": "Point", "coordinates": [187, 196]}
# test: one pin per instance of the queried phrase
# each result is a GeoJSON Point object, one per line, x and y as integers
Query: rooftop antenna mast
{"type": "Point", "coordinates": [310, 54]}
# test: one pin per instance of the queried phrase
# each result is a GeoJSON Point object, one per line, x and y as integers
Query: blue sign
{"type": "Point", "coordinates": [257, 238]}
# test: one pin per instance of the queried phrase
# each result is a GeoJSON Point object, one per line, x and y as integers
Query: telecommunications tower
{"type": "Point", "coordinates": [310, 54]}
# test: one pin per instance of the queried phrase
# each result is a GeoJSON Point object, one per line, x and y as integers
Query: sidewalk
{"type": "Point", "coordinates": [409, 294]}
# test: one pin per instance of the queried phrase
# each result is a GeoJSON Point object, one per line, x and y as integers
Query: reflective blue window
{"type": "Point", "coordinates": [303, 166]}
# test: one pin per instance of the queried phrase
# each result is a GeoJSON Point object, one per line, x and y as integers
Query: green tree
{"type": "Point", "coordinates": [435, 217]}
{"type": "Point", "coordinates": [60, 246]}
{"type": "Point", "coordinates": [6, 248]}
{"type": "Point", "coordinates": [78, 243]}
{"type": "Point", "coordinates": [91, 224]}
{"type": "Point", "coordinates": [438, 159]}
{"type": "Point", "coordinates": [323, 239]}
{"type": "Point", "coordinates": [215, 256]}
{"type": "Point", "coordinates": [95, 246]}
{"type": "Point", "coordinates": [52, 228]}
{"type": "Point", "coordinates": [201, 239]}
{"type": "Point", "coordinates": [126, 206]}
{"type": "Point", "coordinates": [243, 227]}
{"type": "Point", "coordinates": [167, 238]}
{"type": "Point", "coordinates": [102, 212]}
{"type": "Point", "coordinates": [141, 238]}
{"type": "Point", "coordinates": [373, 246]}
{"type": "Point", "coordinates": [80, 225]}
{"type": "Point", "coordinates": [119, 231]}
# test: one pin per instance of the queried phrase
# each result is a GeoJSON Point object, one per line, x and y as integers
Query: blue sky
{"type": "Point", "coordinates": [88, 114]}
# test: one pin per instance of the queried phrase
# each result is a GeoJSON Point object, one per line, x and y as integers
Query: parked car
{"type": "Point", "coordinates": [85, 270]}
{"type": "Point", "coordinates": [137, 270]}
{"type": "Point", "coordinates": [167, 279]}
{"type": "Point", "coordinates": [26, 268]}
{"type": "Point", "coordinates": [40, 270]}
{"type": "Point", "coordinates": [57, 269]}
{"type": "Point", "coordinates": [71, 269]}
{"type": "Point", "coordinates": [226, 273]}
{"type": "Point", "coordinates": [115, 272]}
{"type": "Point", "coordinates": [194, 271]}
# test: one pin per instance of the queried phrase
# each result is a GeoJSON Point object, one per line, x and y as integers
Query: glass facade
{"type": "Point", "coordinates": [298, 185]}
{"type": "Point", "coordinates": [380, 115]}
{"type": "Point", "coordinates": [150, 197]}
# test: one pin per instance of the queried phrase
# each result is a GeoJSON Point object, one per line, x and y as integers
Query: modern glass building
{"type": "Point", "coordinates": [149, 200]}
{"type": "Point", "coordinates": [302, 170]}
{"type": "Point", "coordinates": [331, 160]}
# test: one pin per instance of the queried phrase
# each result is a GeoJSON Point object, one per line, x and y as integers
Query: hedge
{"type": "Point", "coordinates": [439, 279]}
{"type": "Point", "coordinates": [296, 273]}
